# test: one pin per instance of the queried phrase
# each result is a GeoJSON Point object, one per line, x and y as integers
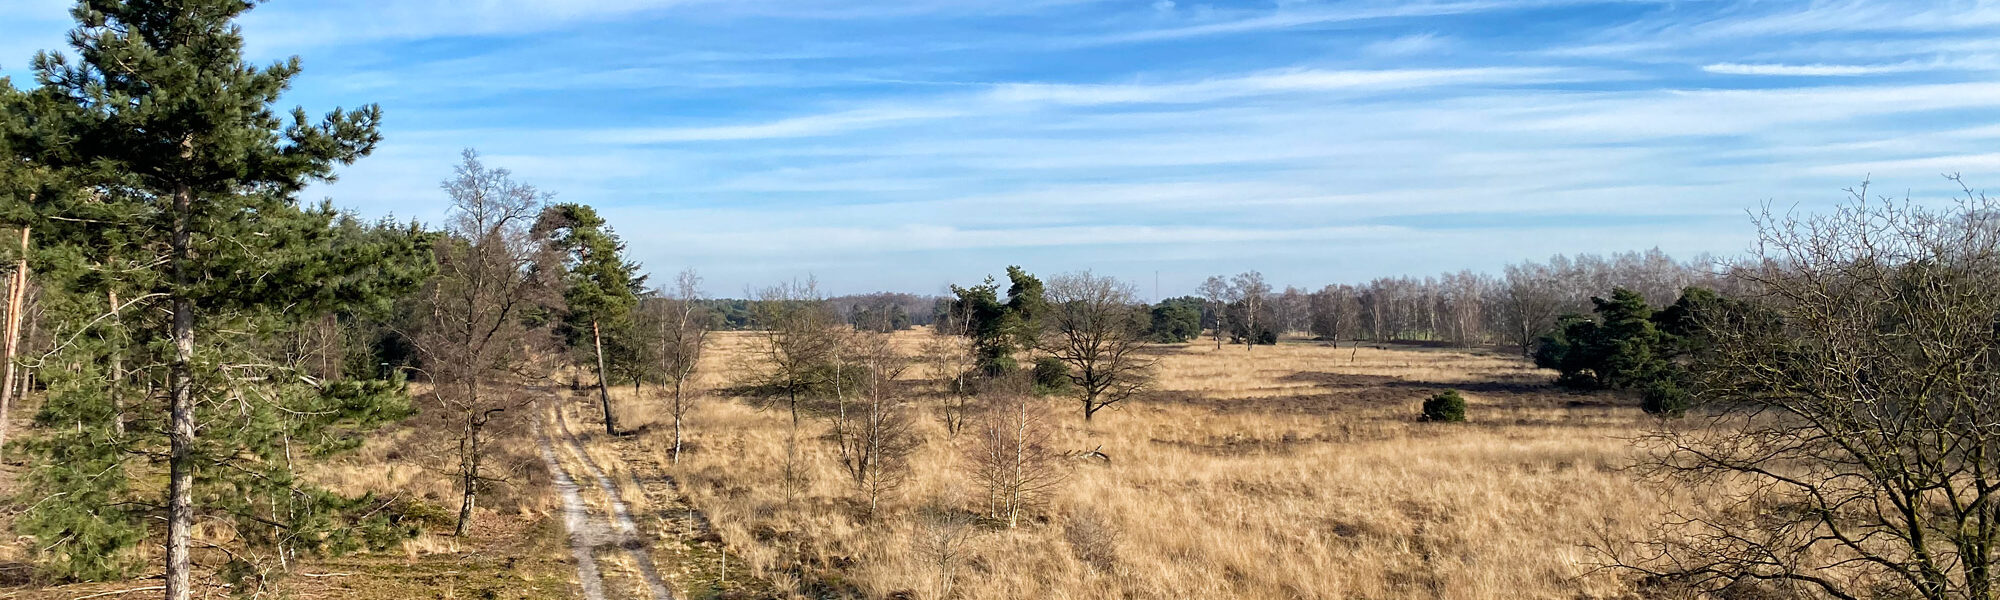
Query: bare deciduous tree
{"type": "Point", "coordinates": [1528, 304]}
{"type": "Point", "coordinates": [1012, 461]}
{"type": "Point", "coordinates": [951, 356]}
{"type": "Point", "coordinates": [801, 334]}
{"type": "Point", "coordinates": [1095, 325]}
{"type": "Point", "coordinates": [474, 341]}
{"type": "Point", "coordinates": [1332, 312]}
{"type": "Point", "coordinates": [1250, 294]}
{"type": "Point", "coordinates": [1849, 446]}
{"type": "Point", "coordinates": [873, 430]}
{"type": "Point", "coordinates": [681, 329]}
{"type": "Point", "coordinates": [1215, 294]}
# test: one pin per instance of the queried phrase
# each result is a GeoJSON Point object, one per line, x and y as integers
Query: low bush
{"type": "Point", "coordinates": [1051, 376]}
{"type": "Point", "coordinates": [1444, 407]}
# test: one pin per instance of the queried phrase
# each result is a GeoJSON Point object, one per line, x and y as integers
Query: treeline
{"type": "Point", "coordinates": [1466, 308]}
{"type": "Point", "coordinates": [885, 311]}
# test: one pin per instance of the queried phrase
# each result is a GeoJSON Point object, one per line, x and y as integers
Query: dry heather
{"type": "Point", "coordinates": [1295, 471]}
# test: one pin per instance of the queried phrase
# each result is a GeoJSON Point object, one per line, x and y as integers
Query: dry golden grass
{"type": "Point", "coordinates": [1295, 471]}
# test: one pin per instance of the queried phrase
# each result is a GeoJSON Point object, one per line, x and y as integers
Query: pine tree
{"type": "Point", "coordinates": [1629, 340]}
{"type": "Point", "coordinates": [187, 255]}
{"type": "Point", "coordinates": [600, 288]}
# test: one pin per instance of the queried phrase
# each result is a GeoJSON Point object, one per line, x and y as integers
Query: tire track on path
{"type": "Point", "coordinates": [627, 536]}
{"type": "Point", "coordinates": [585, 533]}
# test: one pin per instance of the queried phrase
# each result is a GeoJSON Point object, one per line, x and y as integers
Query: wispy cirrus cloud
{"type": "Point", "coordinates": [903, 145]}
{"type": "Point", "coordinates": [795, 127]}
{"type": "Point", "coordinates": [1297, 15]}
{"type": "Point", "coordinates": [1812, 70]}
{"type": "Point", "coordinates": [1276, 82]}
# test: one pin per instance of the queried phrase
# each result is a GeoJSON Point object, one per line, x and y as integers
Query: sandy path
{"type": "Point", "coordinates": [585, 533]}
{"type": "Point", "coordinates": [628, 536]}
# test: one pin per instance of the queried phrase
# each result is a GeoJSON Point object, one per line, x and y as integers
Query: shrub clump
{"type": "Point", "coordinates": [1665, 399]}
{"type": "Point", "coordinates": [1444, 407]}
{"type": "Point", "coordinates": [1051, 376]}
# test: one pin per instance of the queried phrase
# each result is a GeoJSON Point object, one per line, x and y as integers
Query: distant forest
{"type": "Point", "coordinates": [1465, 308]}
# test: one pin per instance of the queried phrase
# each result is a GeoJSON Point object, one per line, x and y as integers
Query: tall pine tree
{"type": "Point", "coordinates": [185, 258]}
{"type": "Point", "coordinates": [600, 288]}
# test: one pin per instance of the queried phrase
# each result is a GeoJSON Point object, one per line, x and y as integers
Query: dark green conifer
{"type": "Point", "coordinates": [182, 207]}
{"type": "Point", "coordinates": [600, 289]}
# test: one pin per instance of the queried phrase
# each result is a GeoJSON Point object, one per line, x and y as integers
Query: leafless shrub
{"type": "Point", "coordinates": [872, 426]}
{"type": "Point", "coordinates": [1092, 538]}
{"type": "Point", "coordinates": [1848, 447]}
{"type": "Point", "coordinates": [945, 534]}
{"type": "Point", "coordinates": [1012, 462]}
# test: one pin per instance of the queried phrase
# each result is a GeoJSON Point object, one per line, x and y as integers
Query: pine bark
{"type": "Point", "coordinates": [117, 369]}
{"type": "Point", "coordinates": [603, 383]}
{"type": "Point", "coordinates": [16, 294]}
{"type": "Point", "coordinates": [180, 484]}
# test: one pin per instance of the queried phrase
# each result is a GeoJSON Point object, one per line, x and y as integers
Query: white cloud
{"type": "Point", "coordinates": [1813, 70]}
{"type": "Point", "coordinates": [796, 127]}
{"type": "Point", "coordinates": [1417, 43]}
{"type": "Point", "coordinates": [1286, 17]}
{"type": "Point", "coordinates": [1273, 82]}
{"type": "Point", "coordinates": [1916, 167]}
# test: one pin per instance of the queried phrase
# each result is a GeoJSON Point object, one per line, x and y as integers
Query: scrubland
{"type": "Point", "coordinates": [1294, 471]}
{"type": "Point", "coordinates": [1289, 471]}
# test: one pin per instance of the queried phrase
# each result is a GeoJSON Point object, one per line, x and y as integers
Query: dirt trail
{"type": "Point", "coordinates": [628, 536]}
{"type": "Point", "coordinates": [665, 537]}
{"type": "Point", "coordinates": [585, 533]}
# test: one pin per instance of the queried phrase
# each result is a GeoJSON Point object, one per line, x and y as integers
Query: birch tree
{"type": "Point", "coordinates": [681, 326]}
{"type": "Point", "coordinates": [475, 339]}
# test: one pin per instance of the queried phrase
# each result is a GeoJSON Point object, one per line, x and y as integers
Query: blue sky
{"type": "Point", "coordinates": [906, 144]}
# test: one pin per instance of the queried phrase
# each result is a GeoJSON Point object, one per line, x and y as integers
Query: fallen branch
{"type": "Point", "coordinates": [121, 592]}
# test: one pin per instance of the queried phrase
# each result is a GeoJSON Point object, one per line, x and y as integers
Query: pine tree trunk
{"type": "Point", "coordinates": [117, 369]}
{"type": "Point", "coordinates": [603, 384]}
{"type": "Point", "coordinates": [16, 294]}
{"type": "Point", "coordinates": [180, 482]}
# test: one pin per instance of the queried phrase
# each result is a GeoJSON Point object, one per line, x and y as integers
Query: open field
{"type": "Point", "coordinates": [1295, 471]}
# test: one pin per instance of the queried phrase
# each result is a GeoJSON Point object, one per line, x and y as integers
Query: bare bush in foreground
{"type": "Point", "coordinates": [1850, 446]}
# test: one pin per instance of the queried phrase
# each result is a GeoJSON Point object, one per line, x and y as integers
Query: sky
{"type": "Point", "coordinates": [904, 145]}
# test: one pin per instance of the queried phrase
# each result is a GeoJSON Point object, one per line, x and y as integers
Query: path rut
{"type": "Point", "coordinates": [585, 533]}
{"type": "Point", "coordinates": [590, 531]}
{"type": "Point", "coordinates": [631, 541]}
